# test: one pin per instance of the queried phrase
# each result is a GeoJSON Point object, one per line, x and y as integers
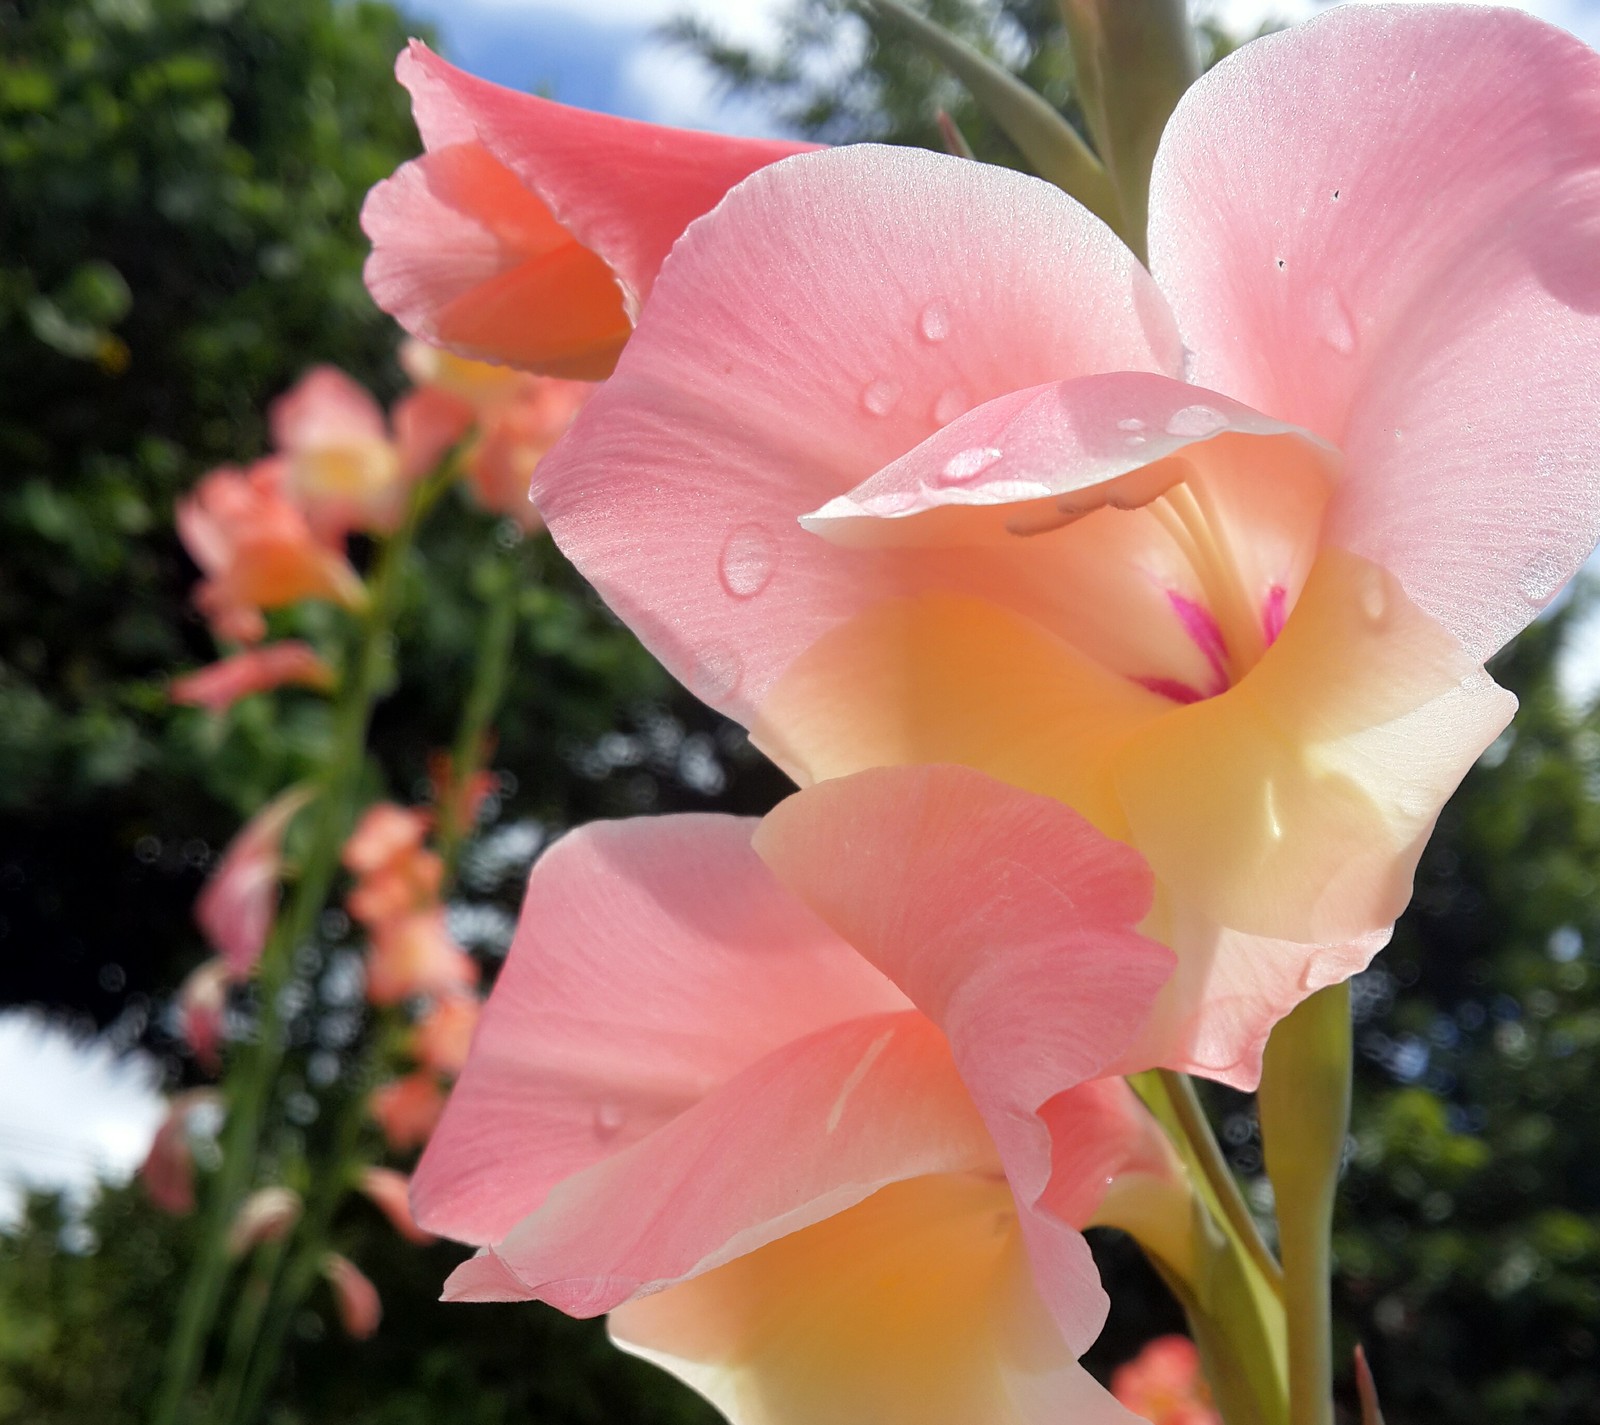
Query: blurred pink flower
{"type": "Point", "coordinates": [529, 232]}
{"type": "Point", "coordinates": [341, 464]}
{"type": "Point", "coordinates": [413, 954]}
{"type": "Point", "coordinates": [390, 1192]}
{"type": "Point", "coordinates": [407, 1109]}
{"type": "Point", "coordinates": [444, 1033]}
{"type": "Point", "coordinates": [1232, 602]}
{"type": "Point", "coordinates": [257, 551]}
{"type": "Point", "coordinates": [267, 1215]}
{"type": "Point", "coordinates": [168, 1169]}
{"type": "Point", "coordinates": [1164, 1384]}
{"type": "Point", "coordinates": [202, 1011]}
{"type": "Point", "coordinates": [354, 1295]}
{"type": "Point", "coordinates": [851, 1153]}
{"type": "Point", "coordinates": [256, 670]}
{"type": "Point", "coordinates": [236, 907]}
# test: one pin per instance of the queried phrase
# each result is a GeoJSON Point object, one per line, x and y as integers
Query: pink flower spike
{"type": "Point", "coordinates": [386, 831]}
{"type": "Point", "coordinates": [413, 954]}
{"type": "Point", "coordinates": [354, 1295]}
{"type": "Point", "coordinates": [1163, 1384]}
{"type": "Point", "coordinates": [267, 1215]}
{"type": "Point", "coordinates": [509, 239]}
{"type": "Point", "coordinates": [390, 1193]}
{"type": "Point", "coordinates": [407, 1109]}
{"type": "Point", "coordinates": [257, 670]}
{"type": "Point", "coordinates": [444, 1034]}
{"type": "Point", "coordinates": [236, 908]}
{"type": "Point", "coordinates": [202, 1011]}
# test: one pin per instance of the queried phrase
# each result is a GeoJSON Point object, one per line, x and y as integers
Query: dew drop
{"type": "Point", "coordinates": [934, 322]}
{"type": "Point", "coordinates": [1333, 320]}
{"type": "Point", "coordinates": [1541, 576]}
{"type": "Point", "coordinates": [1134, 440]}
{"type": "Point", "coordinates": [968, 464]}
{"type": "Point", "coordinates": [716, 674]}
{"type": "Point", "coordinates": [749, 558]}
{"type": "Point", "coordinates": [880, 397]}
{"type": "Point", "coordinates": [952, 402]}
{"type": "Point", "coordinates": [608, 1119]}
{"type": "Point", "coordinates": [1196, 421]}
{"type": "Point", "coordinates": [1131, 423]}
{"type": "Point", "coordinates": [1374, 596]}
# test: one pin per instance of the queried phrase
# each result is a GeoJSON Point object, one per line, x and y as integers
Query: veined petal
{"type": "Point", "coordinates": [799, 339]}
{"type": "Point", "coordinates": [654, 961]}
{"type": "Point", "coordinates": [920, 1306]}
{"type": "Point", "coordinates": [1381, 226]}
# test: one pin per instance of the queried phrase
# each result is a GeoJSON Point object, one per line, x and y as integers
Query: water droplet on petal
{"type": "Point", "coordinates": [1541, 576]}
{"type": "Point", "coordinates": [1190, 360]}
{"type": "Point", "coordinates": [749, 558]}
{"type": "Point", "coordinates": [608, 1119]}
{"type": "Point", "coordinates": [716, 674]}
{"type": "Point", "coordinates": [1134, 440]}
{"type": "Point", "coordinates": [1131, 423]}
{"type": "Point", "coordinates": [952, 402]}
{"type": "Point", "coordinates": [968, 464]}
{"type": "Point", "coordinates": [1374, 595]}
{"type": "Point", "coordinates": [1196, 421]}
{"type": "Point", "coordinates": [880, 397]}
{"type": "Point", "coordinates": [934, 322]}
{"type": "Point", "coordinates": [1333, 320]}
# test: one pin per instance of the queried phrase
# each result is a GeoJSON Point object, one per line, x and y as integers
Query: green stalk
{"type": "Point", "coordinates": [255, 1070]}
{"type": "Point", "coordinates": [1305, 1117]}
{"type": "Point", "coordinates": [496, 642]}
{"type": "Point", "coordinates": [251, 1306]}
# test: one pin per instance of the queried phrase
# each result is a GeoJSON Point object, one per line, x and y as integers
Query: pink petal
{"type": "Point", "coordinates": [524, 211]}
{"type": "Point", "coordinates": [833, 312]}
{"type": "Point", "coordinates": [808, 1131]}
{"type": "Point", "coordinates": [235, 910]}
{"type": "Point", "coordinates": [390, 1193]}
{"type": "Point", "coordinates": [919, 1306]}
{"type": "Point", "coordinates": [407, 1109]}
{"type": "Point", "coordinates": [1009, 921]}
{"type": "Point", "coordinates": [257, 670]}
{"type": "Point", "coordinates": [267, 1215]}
{"type": "Point", "coordinates": [202, 1011]}
{"type": "Point", "coordinates": [427, 423]}
{"type": "Point", "coordinates": [325, 408]}
{"type": "Point", "coordinates": [168, 1169]}
{"type": "Point", "coordinates": [354, 1295]}
{"type": "Point", "coordinates": [1381, 226]}
{"type": "Point", "coordinates": [654, 961]}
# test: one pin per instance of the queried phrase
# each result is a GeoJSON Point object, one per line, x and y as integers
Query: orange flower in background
{"type": "Point", "coordinates": [257, 670]}
{"type": "Point", "coordinates": [1163, 1384]}
{"type": "Point", "coordinates": [444, 1034]}
{"type": "Point", "coordinates": [257, 551]}
{"type": "Point", "coordinates": [341, 463]}
{"type": "Point", "coordinates": [459, 800]}
{"type": "Point", "coordinates": [414, 955]}
{"type": "Point", "coordinates": [407, 1109]}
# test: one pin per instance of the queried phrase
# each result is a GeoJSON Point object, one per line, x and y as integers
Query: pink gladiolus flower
{"type": "Point", "coordinates": [385, 834]}
{"type": "Point", "coordinates": [236, 907]}
{"type": "Point", "coordinates": [413, 954]}
{"type": "Point", "coordinates": [168, 1169]}
{"type": "Point", "coordinates": [1233, 603]}
{"type": "Point", "coordinates": [1163, 1384]}
{"type": "Point", "coordinates": [390, 1192]}
{"type": "Point", "coordinates": [267, 1215]}
{"type": "Point", "coordinates": [341, 464]}
{"type": "Point", "coordinates": [459, 800]}
{"type": "Point", "coordinates": [444, 1035]}
{"type": "Point", "coordinates": [530, 233]}
{"type": "Point", "coordinates": [257, 551]}
{"type": "Point", "coordinates": [202, 1011]}
{"type": "Point", "coordinates": [818, 1180]}
{"type": "Point", "coordinates": [396, 875]}
{"type": "Point", "coordinates": [256, 670]}
{"type": "Point", "coordinates": [407, 1109]}
{"type": "Point", "coordinates": [354, 1295]}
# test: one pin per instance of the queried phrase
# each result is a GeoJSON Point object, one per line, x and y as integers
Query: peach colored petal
{"type": "Point", "coordinates": [768, 376]}
{"type": "Point", "coordinates": [1163, 1384]}
{"type": "Point", "coordinates": [444, 1034]}
{"type": "Point", "coordinates": [919, 1306]}
{"type": "Point", "coordinates": [390, 1192]}
{"type": "Point", "coordinates": [427, 424]}
{"type": "Point", "coordinates": [257, 670]}
{"type": "Point", "coordinates": [354, 1295]}
{"type": "Point", "coordinates": [385, 832]}
{"type": "Point", "coordinates": [407, 1109]}
{"type": "Point", "coordinates": [413, 954]}
{"type": "Point", "coordinates": [516, 436]}
{"type": "Point", "coordinates": [1380, 226]}
{"type": "Point", "coordinates": [654, 961]}
{"type": "Point", "coordinates": [511, 237]}
{"type": "Point", "coordinates": [237, 905]}
{"type": "Point", "coordinates": [268, 1215]}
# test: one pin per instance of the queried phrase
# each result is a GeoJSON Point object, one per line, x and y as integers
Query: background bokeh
{"type": "Point", "coordinates": [179, 181]}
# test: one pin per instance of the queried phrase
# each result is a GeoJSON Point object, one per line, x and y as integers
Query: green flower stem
{"type": "Point", "coordinates": [1202, 1144]}
{"type": "Point", "coordinates": [496, 641]}
{"type": "Point", "coordinates": [255, 1071]}
{"type": "Point", "coordinates": [249, 1308]}
{"type": "Point", "coordinates": [1305, 1117]}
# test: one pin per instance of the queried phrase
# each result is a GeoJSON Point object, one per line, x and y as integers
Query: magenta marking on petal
{"type": "Point", "coordinates": [1199, 623]}
{"type": "Point", "coordinates": [1173, 688]}
{"type": "Point", "coordinates": [1274, 613]}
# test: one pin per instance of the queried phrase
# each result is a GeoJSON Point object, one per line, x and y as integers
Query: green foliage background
{"type": "Point", "coordinates": [177, 242]}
